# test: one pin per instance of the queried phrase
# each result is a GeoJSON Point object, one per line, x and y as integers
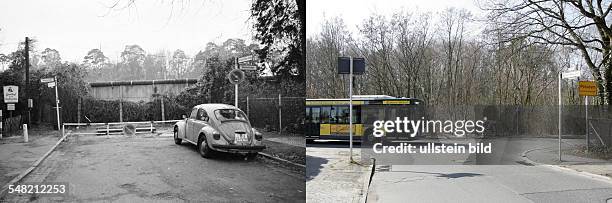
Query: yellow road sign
{"type": "Point", "coordinates": [587, 88]}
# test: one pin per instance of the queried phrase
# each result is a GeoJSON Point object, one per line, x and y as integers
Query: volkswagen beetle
{"type": "Point", "coordinates": [218, 127]}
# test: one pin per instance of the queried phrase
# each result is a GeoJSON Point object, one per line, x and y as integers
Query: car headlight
{"type": "Point", "coordinates": [216, 135]}
{"type": "Point", "coordinates": [258, 135]}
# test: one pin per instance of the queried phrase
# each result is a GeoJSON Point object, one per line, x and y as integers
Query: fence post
{"type": "Point", "coordinates": [163, 109]}
{"type": "Point", "coordinates": [78, 113]}
{"type": "Point", "coordinates": [25, 132]}
{"type": "Point", "coordinates": [121, 104]}
{"type": "Point", "coordinates": [280, 117]}
{"type": "Point", "coordinates": [1, 122]}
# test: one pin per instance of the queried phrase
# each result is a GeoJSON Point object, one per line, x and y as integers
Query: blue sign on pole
{"type": "Point", "coordinates": [344, 65]}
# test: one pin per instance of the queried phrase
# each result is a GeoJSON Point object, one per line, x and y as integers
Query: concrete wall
{"type": "Point", "coordinates": [136, 91]}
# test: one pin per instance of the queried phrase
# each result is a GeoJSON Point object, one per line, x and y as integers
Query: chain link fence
{"type": "Point", "coordinates": [274, 113]}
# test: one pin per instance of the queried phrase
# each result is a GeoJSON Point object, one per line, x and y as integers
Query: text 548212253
{"type": "Point", "coordinates": [39, 188]}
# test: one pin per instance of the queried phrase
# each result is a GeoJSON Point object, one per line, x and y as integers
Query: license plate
{"type": "Point", "coordinates": [241, 138]}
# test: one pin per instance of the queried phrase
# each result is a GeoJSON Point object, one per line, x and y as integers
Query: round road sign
{"type": "Point", "coordinates": [235, 76]}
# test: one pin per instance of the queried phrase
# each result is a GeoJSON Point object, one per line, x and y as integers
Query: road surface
{"type": "Point", "coordinates": [489, 183]}
{"type": "Point", "coordinates": [129, 169]}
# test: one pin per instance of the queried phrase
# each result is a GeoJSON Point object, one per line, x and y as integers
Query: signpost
{"type": "Point", "coordinates": [565, 75]}
{"type": "Point", "coordinates": [586, 89]}
{"type": "Point", "coordinates": [351, 66]}
{"type": "Point", "coordinates": [235, 77]}
{"type": "Point", "coordinates": [52, 82]}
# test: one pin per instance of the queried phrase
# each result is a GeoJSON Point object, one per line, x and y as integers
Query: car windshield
{"type": "Point", "coordinates": [230, 114]}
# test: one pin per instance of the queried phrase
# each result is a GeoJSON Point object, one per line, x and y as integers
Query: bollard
{"type": "Point", "coordinates": [25, 132]}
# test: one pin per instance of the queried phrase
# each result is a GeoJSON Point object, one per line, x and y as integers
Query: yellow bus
{"type": "Point", "coordinates": [328, 119]}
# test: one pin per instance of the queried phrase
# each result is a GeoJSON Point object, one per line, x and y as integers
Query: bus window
{"type": "Point", "coordinates": [343, 114]}
{"type": "Point", "coordinates": [315, 114]}
{"type": "Point", "coordinates": [356, 115]}
{"type": "Point", "coordinates": [325, 114]}
{"type": "Point", "coordinates": [333, 115]}
{"type": "Point", "coordinates": [308, 117]}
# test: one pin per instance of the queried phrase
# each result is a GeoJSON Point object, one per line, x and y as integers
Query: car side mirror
{"type": "Point", "coordinates": [184, 116]}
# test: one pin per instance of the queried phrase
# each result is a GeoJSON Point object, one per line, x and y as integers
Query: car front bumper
{"type": "Point", "coordinates": [238, 148]}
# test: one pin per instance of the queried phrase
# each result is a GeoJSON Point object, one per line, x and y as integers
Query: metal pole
{"type": "Point", "coordinates": [351, 107]}
{"type": "Point", "coordinates": [1, 121]}
{"type": "Point", "coordinates": [248, 106]}
{"type": "Point", "coordinates": [559, 116]}
{"type": "Point", "coordinates": [280, 119]}
{"type": "Point", "coordinates": [57, 103]}
{"type": "Point", "coordinates": [586, 119]}
{"type": "Point", "coordinates": [236, 87]}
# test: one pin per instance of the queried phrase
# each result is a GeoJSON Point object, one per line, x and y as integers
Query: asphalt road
{"type": "Point", "coordinates": [129, 169]}
{"type": "Point", "coordinates": [482, 183]}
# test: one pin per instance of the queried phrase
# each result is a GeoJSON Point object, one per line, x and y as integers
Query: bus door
{"type": "Point", "coordinates": [313, 121]}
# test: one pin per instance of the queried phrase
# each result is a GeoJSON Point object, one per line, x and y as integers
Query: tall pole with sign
{"type": "Point", "coordinates": [560, 77]}
{"type": "Point", "coordinates": [351, 66]}
{"type": "Point", "coordinates": [586, 89]}
{"type": "Point", "coordinates": [52, 83]}
{"type": "Point", "coordinates": [566, 75]}
{"type": "Point", "coordinates": [236, 88]}
{"type": "Point", "coordinates": [351, 106]}
{"type": "Point", "coordinates": [57, 103]}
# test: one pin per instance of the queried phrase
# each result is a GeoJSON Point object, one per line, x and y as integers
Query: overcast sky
{"type": "Point", "coordinates": [353, 12]}
{"type": "Point", "coordinates": [73, 27]}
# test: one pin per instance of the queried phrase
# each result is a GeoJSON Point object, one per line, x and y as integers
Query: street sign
{"type": "Point", "coordinates": [248, 67]}
{"type": "Point", "coordinates": [10, 107]}
{"type": "Point", "coordinates": [246, 59]}
{"type": "Point", "coordinates": [51, 84]}
{"type": "Point", "coordinates": [571, 74]}
{"type": "Point", "coordinates": [235, 76]}
{"type": "Point", "coordinates": [30, 103]}
{"type": "Point", "coordinates": [345, 62]}
{"type": "Point", "coordinates": [46, 80]}
{"type": "Point", "coordinates": [11, 94]}
{"type": "Point", "coordinates": [587, 88]}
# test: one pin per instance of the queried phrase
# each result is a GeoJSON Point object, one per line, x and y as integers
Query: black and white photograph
{"type": "Point", "coordinates": [152, 101]}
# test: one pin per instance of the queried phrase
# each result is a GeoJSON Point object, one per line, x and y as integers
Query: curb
{"type": "Point", "coordinates": [367, 181]}
{"type": "Point", "coordinates": [281, 160]}
{"type": "Point", "coordinates": [29, 170]}
{"type": "Point", "coordinates": [583, 173]}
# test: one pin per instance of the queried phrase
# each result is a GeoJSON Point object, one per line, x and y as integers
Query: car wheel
{"type": "Point", "coordinates": [177, 140]}
{"type": "Point", "coordinates": [203, 148]}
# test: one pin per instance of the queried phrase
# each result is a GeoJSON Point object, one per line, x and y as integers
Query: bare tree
{"type": "Point", "coordinates": [581, 24]}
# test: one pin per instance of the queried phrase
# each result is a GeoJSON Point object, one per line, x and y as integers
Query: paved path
{"type": "Point", "coordinates": [16, 155]}
{"type": "Point", "coordinates": [330, 177]}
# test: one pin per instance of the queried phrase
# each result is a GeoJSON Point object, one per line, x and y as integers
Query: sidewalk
{"type": "Point", "coordinates": [330, 177]}
{"type": "Point", "coordinates": [551, 157]}
{"type": "Point", "coordinates": [290, 139]}
{"type": "Point", "coordinates": [16, 155]}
